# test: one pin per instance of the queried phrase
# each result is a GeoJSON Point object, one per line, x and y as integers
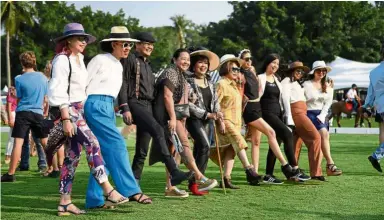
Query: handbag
{"type": "Point", "coordinates": [182, 110]}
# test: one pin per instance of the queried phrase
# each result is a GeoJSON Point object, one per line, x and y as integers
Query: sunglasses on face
{"type": "Point", "coordinates": [127, 45]}
{"type": "Point", "coordinates": [247, 59]}
{"type": "Point", "coordinates": [83, 39]}
{"type": "Point", "coordinates": [321, 71]}
{"type": "Point", "coordinates": [301, 72]}
{"type": "Point", "coordinates": [235, 69]}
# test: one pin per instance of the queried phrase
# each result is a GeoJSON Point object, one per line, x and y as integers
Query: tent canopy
{"type": "Point", "coordinates": [346, 72]}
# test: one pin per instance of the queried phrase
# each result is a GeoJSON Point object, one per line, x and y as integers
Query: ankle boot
{"type": "Point", "coordinates": [252, 177]}
{"type": "Point", "coordinates": [228, 184]}
{"type": "Point", "coordinates": [287, 170]}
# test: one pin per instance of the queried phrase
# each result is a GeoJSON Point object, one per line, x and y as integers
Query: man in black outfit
{"type": "Point", "coordinates": [135, 100]}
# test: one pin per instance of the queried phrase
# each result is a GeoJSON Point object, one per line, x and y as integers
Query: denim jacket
{"type": "Point", "coordinates": [197, 109]}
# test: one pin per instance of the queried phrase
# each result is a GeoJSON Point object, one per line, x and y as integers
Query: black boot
{"type": "Point", "coordinates": [252, 177]}
{"type": "Point", "coordinates": [178, 176]}
{"type": "Point", "coordinates": [287, 170]}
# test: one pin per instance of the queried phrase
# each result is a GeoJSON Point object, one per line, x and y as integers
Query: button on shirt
{"type": "Point", "coordinates": [292, 92]}
{"type": "Point", "coordinates": [105, 75]}
{"type": "Point", "coordinates": [58, 84]}
{"type": "Point", "coordinates": [375, 96]}
{"type": "Point", "coordinates": [146, 82]}
{"type": "Point", "coordinates": [317, 100]}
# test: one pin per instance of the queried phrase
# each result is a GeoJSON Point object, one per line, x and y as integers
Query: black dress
{"type": "Point", "coordinates": [252, 110]}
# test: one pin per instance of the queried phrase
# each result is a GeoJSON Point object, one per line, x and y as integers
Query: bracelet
{"type": "Point", "coordinates": [66, 119]}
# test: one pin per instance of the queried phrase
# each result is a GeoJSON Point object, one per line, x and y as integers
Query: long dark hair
{"type": "Point", "coordinates": [268, 59]}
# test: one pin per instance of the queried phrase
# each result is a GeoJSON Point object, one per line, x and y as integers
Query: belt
{"type": "Point", "coordinates": [254, 100]}
{"type": "Point", "coordinates": [101, 98]}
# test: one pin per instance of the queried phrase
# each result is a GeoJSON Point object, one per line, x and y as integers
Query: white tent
{"type": "Point", "coordinates": [346, 72]}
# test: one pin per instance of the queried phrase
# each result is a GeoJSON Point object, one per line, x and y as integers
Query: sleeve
{"type": "Point", "coordinates": [197, 112]}
{"type": "Point", "coordinates": [216, 105]}
{"type": "Point", "coordinates": [58, 84]}
{"type": "Point", "coordinates": [93, 69]}
{"type": "Point", "coordinates": [171, 79]}
{"type": "Point", "coordinates": [370, 96]}
{"type": "Point", "coordinates": [220, 92]}
{"type": "Point", "coordinates": [123, 94]}
{"type": "Point", "coordinates": [327, 104]}
{"type": "Point", "coordinates": [350, 94]}
{"type": "Point", "coordinates": [286, 96]}
{"type": "Point", "coordinates": [194, 109]}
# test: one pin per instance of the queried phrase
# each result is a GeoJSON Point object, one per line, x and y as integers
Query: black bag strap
{"type": "Point", "coordinates": [69, 75]}
{"type": "Point", "coordinates": [137, 90]}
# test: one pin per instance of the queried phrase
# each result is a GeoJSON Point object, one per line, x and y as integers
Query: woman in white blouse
{"type": "Point", "coordinates": [319, 95]}
{"type": "Point", "coordinates": [104, 82]}
{"type": "Point", "coordinates": [296, 116]}
{"type": "Point", "coordinates": [67, 93]}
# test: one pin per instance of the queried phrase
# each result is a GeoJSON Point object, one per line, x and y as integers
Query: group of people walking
{"type": "Point", "coordinates": [181, 102]}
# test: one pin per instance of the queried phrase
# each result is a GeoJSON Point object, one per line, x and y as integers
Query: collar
{"type": "Point", "coordinates": [229, 82]}
{"type": "Point", "coordinates": [112, 57]}
{"type": "Point", "coordinates": [138, 55]}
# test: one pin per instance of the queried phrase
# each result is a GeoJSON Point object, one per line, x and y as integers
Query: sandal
{"type": "Point", "coordinates": [140, 200]}
{"type": "Point", "coordinates": [103, 207]}
{"type": "Point", "coordinates": [111, 203]}
{"type": "Point", "coordinates": [333, 170]}
{"type": "Point", "coordinates": [66, 212]}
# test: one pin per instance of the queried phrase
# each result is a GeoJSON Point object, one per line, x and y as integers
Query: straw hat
{"type": "Point", "coordinates": [230, 57]}
{"type": "Point", "coordinates": [297, 65]}
{"type": "Point", "coordinates": [119, 33]}
{"type": "Point", "coordinates": [212, 57]}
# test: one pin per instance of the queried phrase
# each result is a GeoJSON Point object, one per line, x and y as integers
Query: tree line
{"type": "Point", "coordinates": [305, 31]}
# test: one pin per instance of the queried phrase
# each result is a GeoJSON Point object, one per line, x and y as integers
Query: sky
{"type": "Point", "coordinates": [157, 13]}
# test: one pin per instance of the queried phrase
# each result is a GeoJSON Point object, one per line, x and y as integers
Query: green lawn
{"type": "Point", "coordinates": [357, 194]}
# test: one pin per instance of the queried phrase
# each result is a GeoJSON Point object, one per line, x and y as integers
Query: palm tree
{"type": "Point", "coordinates": [13, 14]}
{"type": "Point", "coordinates": [180, 23]}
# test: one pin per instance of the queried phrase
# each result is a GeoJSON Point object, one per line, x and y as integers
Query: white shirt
{"type": "Point", "coordinates": [105, 75]}
{"type": "Point", "coordinates": [317, 100]}
{"type": "Point", "coordinates": [351, 94]}
{"type": "Point", "coordinates": [58, 84]}
{"type": "Point", "coordinates": [292, 92]}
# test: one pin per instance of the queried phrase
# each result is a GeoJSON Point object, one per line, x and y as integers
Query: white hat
{"type": "Point", "coordinates": [230, 57]}
{"type": "Point", "coordinates": [120, 33]}
{"type": "Point", "coordinates": [319, 64]}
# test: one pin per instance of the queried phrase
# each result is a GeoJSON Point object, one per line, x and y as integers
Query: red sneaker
{"type": "Point", "coordinates": [193, 187]}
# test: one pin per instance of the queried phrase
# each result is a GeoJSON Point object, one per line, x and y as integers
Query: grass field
{"type": "Point", "coordinates": [357, 194]}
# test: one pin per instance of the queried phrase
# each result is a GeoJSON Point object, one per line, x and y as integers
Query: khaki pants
{"type": "Point", "coordinates": [307, 132]}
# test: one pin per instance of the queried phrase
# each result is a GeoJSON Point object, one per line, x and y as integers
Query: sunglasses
{"type": "Point", "coordinates": [321, 71]}
{"type": "Point", "coordinates": [247, 59]}
{"type": "Point", "coordinates": [127, 45]}
{"type": "Point", "coordinates": [301, 72]}
{"type": "Point", "coordinates": [83, 39]}
{"type": "Point", "coordinates": [235, 69]}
